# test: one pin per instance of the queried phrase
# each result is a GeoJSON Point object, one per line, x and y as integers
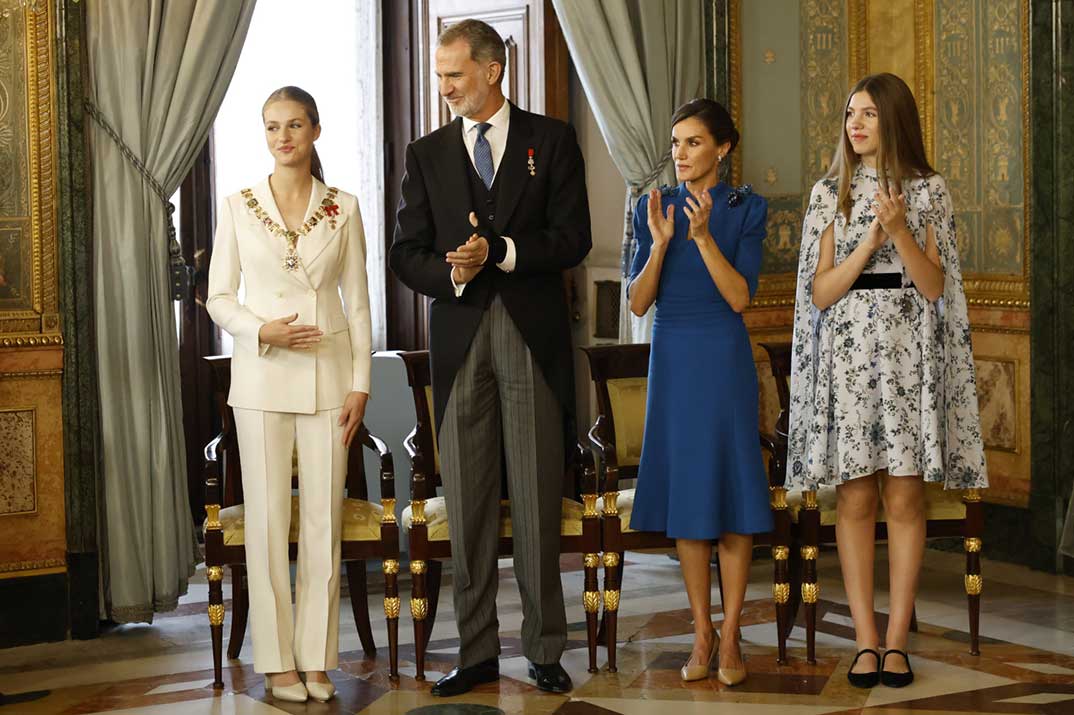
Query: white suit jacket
{"type": "Point", "coordinates": [328, 290]}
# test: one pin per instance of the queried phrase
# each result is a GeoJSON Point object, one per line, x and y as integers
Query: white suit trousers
{"type": "Point", "coordinates": [310, 640]}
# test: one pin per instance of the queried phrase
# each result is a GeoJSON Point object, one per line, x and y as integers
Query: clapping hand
{"type": "Point", "coordinates": [468, 259]}
{"type": "Point", "coordinates": [890, 210]}
{"type": "Point", "coordinates": [661, 226]}
{"type": "Point", "coordinates": [876, 237]}
{"type": "Point", "coordinates": [698, 208]}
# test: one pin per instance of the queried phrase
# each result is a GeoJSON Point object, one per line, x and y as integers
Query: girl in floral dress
{"type": "Point", "coordinates": [882, 380]}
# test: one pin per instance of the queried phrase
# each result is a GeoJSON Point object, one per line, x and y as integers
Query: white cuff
{"type": "Point", "coordinates": [459, 287]}
{"type": "Point", "coordinates": [508, 263]}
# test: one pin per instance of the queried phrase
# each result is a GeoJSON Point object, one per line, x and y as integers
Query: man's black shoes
{"type": "Point", "coordinates": [463, 680]}
{"type": "Point", "coordinates": [550, 678]}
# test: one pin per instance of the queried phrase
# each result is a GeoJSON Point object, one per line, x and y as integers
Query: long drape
{"type": "Point", "coordinates": [638, 60]}
{"type": "Point", "coordinates": [158, 73]}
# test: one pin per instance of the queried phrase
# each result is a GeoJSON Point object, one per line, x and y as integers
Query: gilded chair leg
{"type": "Point", "coordinates": [356, 584]}
{"type": "Point", "coordinates": [419, 609]}
{"type": "Point", "coordinates": [810, 593]}
{"type": "Point", "coordinates": [974, 527]}
{"type": "Point", "coordinates": [794, 570]}
{"type": "Point", "coordinates": [240, 611]}
{"type": "Point", "coordinates": [591, 603]}
{"type": "Point", "coordinates": [780, 554]}
{"type": "Point", "coordinates": [432, 589]}
{"type": "Point", "coordinates": [216, 622]}
{"type": "Point", "coordinates": [974, 586]}
{"type": "Point", "coordinates": [810, 521]}
{"type": "Point", "coordinates": [612, 583]}
{"type": "Point", "coordinates": [781, 540]}
{"type": "Point", "coordinates": [391, 614]}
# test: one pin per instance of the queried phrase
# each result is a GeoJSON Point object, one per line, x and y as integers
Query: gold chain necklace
{"type": "Point", "coordinates": [328, 209]}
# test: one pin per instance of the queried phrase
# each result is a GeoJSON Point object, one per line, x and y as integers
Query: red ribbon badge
{"type": "Point", "coordinates": [331, 209]}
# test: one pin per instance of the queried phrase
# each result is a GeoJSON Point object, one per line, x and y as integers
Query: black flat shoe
{"type": "Point", "coordinates": [865, 680]}
{"type": "Point", "coordinates": [896, 680]}
{"type": "Point", "coordinates": [551, 678]}
{"type": "Point", "coordinates": [463, 680]}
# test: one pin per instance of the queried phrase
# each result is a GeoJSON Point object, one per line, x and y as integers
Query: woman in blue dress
{"type": "Point", "coordinates": [701, 477]}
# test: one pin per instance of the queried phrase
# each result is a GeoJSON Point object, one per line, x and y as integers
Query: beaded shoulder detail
{"type": "Point", "coordinates": [737, 195]}
{"type": "Point", "coordinates": [328, 209]}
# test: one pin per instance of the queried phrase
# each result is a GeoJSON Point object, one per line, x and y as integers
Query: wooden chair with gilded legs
{"type": "Point", "coordinates": [620, 377]}
{"type": "Point", "coordinates": [370, 531]}
{"type": "Point", "coordinates": [948, 513]}
{"type": "Point", "coordinates": [426, 519]}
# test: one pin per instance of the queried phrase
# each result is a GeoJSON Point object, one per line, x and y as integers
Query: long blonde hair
{"type": "Point", "coordinates": [901, 147]}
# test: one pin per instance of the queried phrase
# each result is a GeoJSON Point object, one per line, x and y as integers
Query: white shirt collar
{"type": "Point", "coordinates": [498, 120]}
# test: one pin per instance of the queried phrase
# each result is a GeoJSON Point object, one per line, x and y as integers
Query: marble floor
{"type": "Point", "coordinates": [1026, 663]}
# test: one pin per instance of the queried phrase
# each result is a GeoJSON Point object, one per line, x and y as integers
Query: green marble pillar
{"type": "Point", "coordinates": [1052, 276]}
{"type": "Point", "coordinates": [1031, 537]}
{"type": "Point", "coordinates": [81, 417]}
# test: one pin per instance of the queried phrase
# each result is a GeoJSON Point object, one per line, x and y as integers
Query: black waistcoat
{"type": "Point", "coordinates": [484, 205]}
{"type": "Point", "coordinates": [484, 199]}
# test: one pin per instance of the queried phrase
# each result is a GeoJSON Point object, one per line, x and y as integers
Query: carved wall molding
{"type": "Point", "coordinates": [36, 316]}
{"type": "Point", "coordinates": [14, 566]}
{"type": "Point", "coordinates": [32, 374]}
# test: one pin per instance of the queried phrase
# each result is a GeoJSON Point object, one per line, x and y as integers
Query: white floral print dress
{"type": "Point", "coordinates": [883, 379]}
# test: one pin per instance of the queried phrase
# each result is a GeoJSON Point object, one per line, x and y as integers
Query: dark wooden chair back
{"type": "Point", "coordinates": [608, 363]}
{"type": "Point", "coordinates": [779, 355]}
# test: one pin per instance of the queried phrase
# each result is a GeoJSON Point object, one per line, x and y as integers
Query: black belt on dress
{"type": "Point", "coordinates": [879, 281]}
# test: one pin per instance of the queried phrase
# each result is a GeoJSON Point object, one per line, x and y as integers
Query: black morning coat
{"type": "Point", "coordinates": [544, 211]}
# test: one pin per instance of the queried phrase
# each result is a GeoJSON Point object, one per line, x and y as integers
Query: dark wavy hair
{"type": "Point", "coordinates": [297, 94]}
{"type": "Point", "coordinates": [713, 115]}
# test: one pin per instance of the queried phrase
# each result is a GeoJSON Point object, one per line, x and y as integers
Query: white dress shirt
{"type": "Point", "coordinates": [496, 135]}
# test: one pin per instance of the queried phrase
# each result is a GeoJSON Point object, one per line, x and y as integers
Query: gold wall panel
{"type": "Point", "coordinates": [998, 399]}
{"type": "Point", "coordinates": [1003, 387]}
{"type": "Point", "coordinates": [18, 467]}
{"type": "Point", "coordinates": [30, 381]}
{"type": "Point", "coordinates": [32, 524]}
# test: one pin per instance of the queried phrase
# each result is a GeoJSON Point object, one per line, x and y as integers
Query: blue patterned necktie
{"type": "Point", "coordinates": [483, 155]}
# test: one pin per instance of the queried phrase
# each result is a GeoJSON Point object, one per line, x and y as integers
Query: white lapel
{"type": "Point", "coordinates": [320, 236]}
{"type": "Point", "coordinates": [278, 244]}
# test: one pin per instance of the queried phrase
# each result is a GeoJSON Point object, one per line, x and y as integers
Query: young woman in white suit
{"type": "Point", "coordinates": [299, 374]}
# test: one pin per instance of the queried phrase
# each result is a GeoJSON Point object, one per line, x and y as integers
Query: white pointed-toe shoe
{"type": "Point", "coordinates": [294, 693]}
{"type": "Point", "coordinates": [321, 692]}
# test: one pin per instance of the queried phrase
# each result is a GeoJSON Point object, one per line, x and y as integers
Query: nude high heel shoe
{"type": "Point", "coordinates": [700, 672]}
{"type": "Point", "coordinates": [732, 676]}
{"type": "Point", "coordinates": [294, 693]}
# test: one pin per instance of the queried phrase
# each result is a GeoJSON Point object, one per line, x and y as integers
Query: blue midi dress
{"type": "Point", "coordinates": [701, 473]}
